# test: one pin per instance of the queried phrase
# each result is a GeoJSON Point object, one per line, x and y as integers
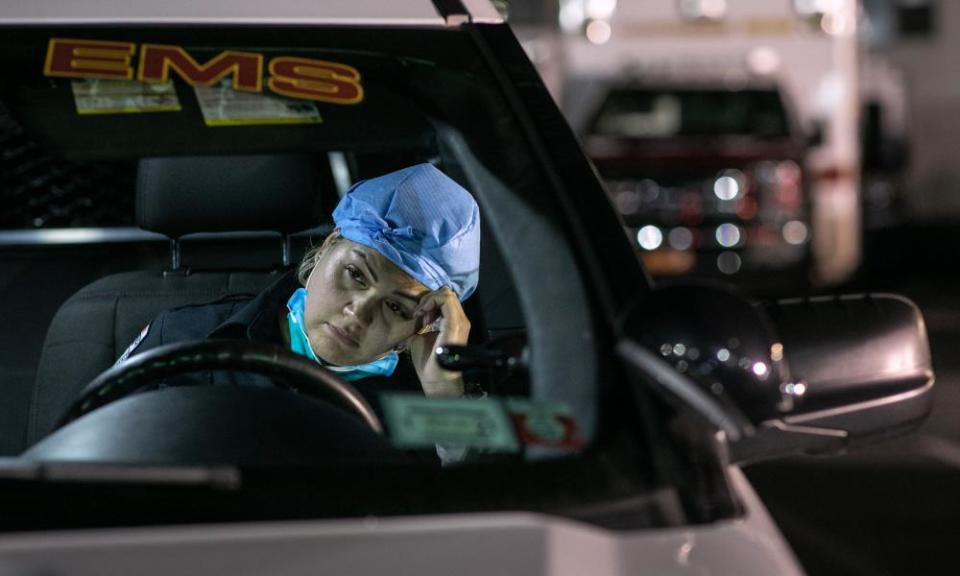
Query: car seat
{"type": "Point", "coordinates": [177, 197]}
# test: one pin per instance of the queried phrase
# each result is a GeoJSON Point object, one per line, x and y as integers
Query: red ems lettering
{"type": "Point", "coordinates": [304, 78]}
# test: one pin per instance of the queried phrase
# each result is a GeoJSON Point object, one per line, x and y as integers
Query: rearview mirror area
{"type": "Point", "coordinates": [812, 375]}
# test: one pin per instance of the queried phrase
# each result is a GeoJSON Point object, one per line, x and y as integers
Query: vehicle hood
{"type": "Point", "coordinates": [482, 544]}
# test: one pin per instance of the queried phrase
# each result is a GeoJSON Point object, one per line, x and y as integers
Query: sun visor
{"type": "Point", "coordinates": [91, 120]}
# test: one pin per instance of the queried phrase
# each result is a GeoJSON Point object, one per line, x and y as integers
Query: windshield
{"type": "Point", "coordinates": [691, 112]}
{"type": "Point", "coordinates": [169, 187]}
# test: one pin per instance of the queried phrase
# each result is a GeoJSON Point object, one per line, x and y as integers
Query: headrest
{"type": "Point", "coordinates": [183, 195]}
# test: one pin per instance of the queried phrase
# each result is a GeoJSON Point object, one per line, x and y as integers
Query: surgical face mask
{"type": "Point", "coordinates": [300, 344]}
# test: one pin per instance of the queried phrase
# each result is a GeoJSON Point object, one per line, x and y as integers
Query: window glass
{"type": "Point", "coordinates": [653, 113]}
{"type": "Point", "coordinates": [82, 112]}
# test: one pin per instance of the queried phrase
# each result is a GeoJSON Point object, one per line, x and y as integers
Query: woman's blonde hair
{"type": "Point", "coordinates": [311, 256]}
{"type": "Point", "coordinates": [307, 263]}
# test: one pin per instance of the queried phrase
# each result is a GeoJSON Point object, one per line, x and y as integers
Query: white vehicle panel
{"type": "Point", "coordinates": [482, 11]}
{"type": "Point", "coordinates": [480, 544]}
{"type": "Point", "coordinates": [407, 12]}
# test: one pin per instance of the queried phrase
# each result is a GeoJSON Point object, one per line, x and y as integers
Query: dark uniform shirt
{"type": "Point", "coordinates": [256, 319]}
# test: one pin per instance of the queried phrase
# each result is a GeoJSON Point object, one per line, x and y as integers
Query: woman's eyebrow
{"type": "Point", "coordinates": [415, 298]}
{"type": "Point", "coordinates": [366, 264]}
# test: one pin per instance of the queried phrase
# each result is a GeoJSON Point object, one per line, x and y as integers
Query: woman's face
{"type": "Point", "coordinates": [359, 304]}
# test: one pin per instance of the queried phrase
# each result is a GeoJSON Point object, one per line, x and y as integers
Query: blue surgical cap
{"type": "Point", "coordinates": [420, 220]}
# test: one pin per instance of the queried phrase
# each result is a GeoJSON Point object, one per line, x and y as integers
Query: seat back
{"type": "Point", "coordinates": [94, 326]}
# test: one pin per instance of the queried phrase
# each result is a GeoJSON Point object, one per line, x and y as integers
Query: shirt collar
{"type": "Point", "coordinates": [257, 319]}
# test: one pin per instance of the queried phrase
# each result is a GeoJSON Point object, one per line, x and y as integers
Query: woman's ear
{"type": "Point", "coordinates": [312, 257]}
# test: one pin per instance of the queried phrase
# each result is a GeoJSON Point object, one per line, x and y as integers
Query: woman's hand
{"type": "Point", "coordinates": [441, 321]}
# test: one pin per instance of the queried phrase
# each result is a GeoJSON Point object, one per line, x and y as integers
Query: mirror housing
{"type": "Point", "coordinates": [811, 375]}
{"type": "Point", "coordinates": [862, 364]}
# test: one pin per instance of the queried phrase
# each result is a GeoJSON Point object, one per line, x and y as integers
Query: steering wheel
{"type": "Point", "coordinates": [289, 371]}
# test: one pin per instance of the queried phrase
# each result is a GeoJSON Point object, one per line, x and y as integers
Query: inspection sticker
{"type": "Point", "coordinates": [416, 421]}
{"type": "Point", "coordinates": [544, 423]}
{"type": "Point", "coordinates": [221, 105]}
{"type": "Point", "coordinates": [96, 96]}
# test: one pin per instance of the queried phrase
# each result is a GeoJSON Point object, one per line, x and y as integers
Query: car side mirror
{"type": "Point", "coordinates": [797, 376]}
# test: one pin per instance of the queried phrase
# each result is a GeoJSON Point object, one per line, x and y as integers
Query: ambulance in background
{"type": "Point", "coordinates": [727, 131]}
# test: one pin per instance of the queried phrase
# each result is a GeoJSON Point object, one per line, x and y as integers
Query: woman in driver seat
{"type": "Point", "coordinates": [388, 280]}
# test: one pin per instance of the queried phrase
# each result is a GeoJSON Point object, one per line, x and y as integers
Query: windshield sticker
{"type": "Point", "coordinates": [416, 421]}
{"type": "Point", "coordinates": [315, 80]}
{"type": "Point", "coordinates": [223, 106]}
{"type": "Point", "coordinates": [68, 58]}
{"type": "Point", "coordinates": [544, 423]}
{"type": "Point", "coordinates": [293, 77]}
{"type": "Point", "coordinates": [93, 96]}
{"type": "Point", "coordinates": [244, 68]}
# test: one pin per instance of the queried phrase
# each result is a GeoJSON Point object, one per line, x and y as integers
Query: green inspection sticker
{"type": "Point", "coordinates": [416, 421]}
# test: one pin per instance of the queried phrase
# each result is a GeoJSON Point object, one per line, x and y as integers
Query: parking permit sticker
{"type": "Point", "coordinates": [544, 423]}
{"type": "Point", "coordinates": [223, 106]}
{"type": "Point", "coordinates": [416, 421]}
{"type": "Point", "coordinates": [97, 96]}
